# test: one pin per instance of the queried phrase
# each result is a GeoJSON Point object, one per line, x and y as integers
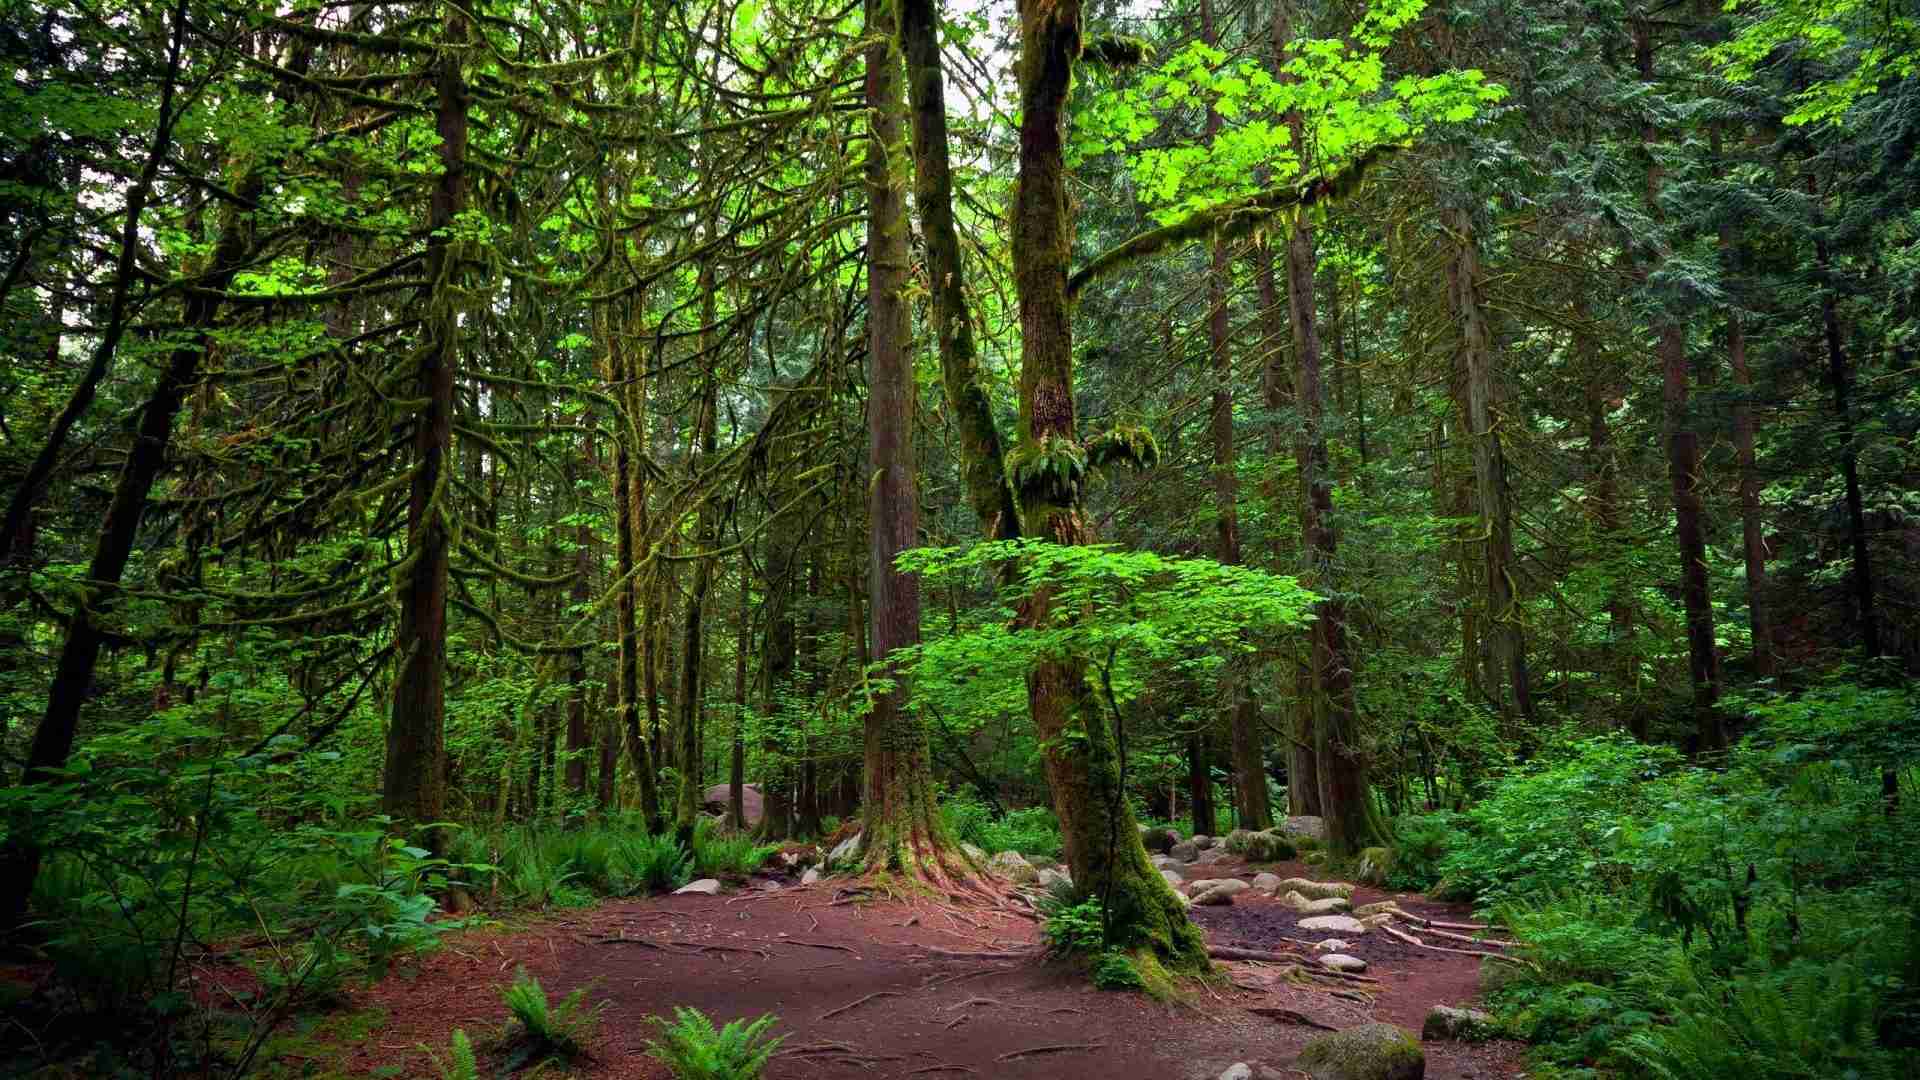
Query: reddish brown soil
{"type": "Point", "coordinates": [863, 989]}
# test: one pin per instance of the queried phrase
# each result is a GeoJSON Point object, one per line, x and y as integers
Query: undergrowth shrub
{"type": "Point", "coordinates": [1420, 843]}
{"type": "Point", "coordinates": [546, 1031]}
{"type": "Point", "coordinates": [460, 1063]}
{"type": "Point", "coordinates": [653, 863]}
{"type": "Point", "coordinates": [730, 854]}
{"type": "Point", "coordinates": [693, 1049]}
{"type": "Point", "coordinates": [1071, 928]}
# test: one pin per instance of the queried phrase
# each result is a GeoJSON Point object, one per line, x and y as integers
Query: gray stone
{"type": "Point", "coordinates": [706, 886]}
{"type": "Point", "coordinates": [1214, 896]}
{"type": "Point", "coordinates": [1447, 1022]}
{"type": "Point", "coordinates": [1186, 851]}
{"type": "Point", "coordinates": [1367, 1052]}
{"type": "Point", "coordinates": [1305, 826]}
{"type": "Point", "coordinates": [1333, 924]}
{"type": "Point", "coordinates": [1353, 965]}
{"type": "Point", "coordinates": [811, 877]}
{"type": "Point", "coordinates": [1236, 841]}
{"type": "Point", "coordinates": [1203, 841]}
{"type": "Point", "coordinates": [1497, 974]}
{"type": "Point", "coordinates": [1383, 907]}
{"type": "Point", "coordinates": [1266, 883]}
{"type": "Point", "coordinates": [1014, 867]}
{"type": "Point", "coordinates": [1233, 886]}
{"type": "Point", "coordinates": [847, 849]}
{"type": "Point", "coordinates": [1332, 905]}
{"type": "Point", "coordinates": [1239, 1070]}
{"type": "Point", "coordinates": [1050, 877]}
{"type": "Point", "coordinates": [1173, 878]}
{"type": "Point", "coordinates": [973, 852]}
{"type": "Point", "coordinates": [1212, 856]}
{"type": "Point", "coordinates": [1332, 945]}
{"type": "Point", "coordinates": [1318, 890]}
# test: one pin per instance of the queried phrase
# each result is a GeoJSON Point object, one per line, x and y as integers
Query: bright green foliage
{"type": "Point", "coordinates": [546, 1031]}
{"type": "Point", "coordinates": [1073, 928]}
{"type": "Point", "coordinates": [717, 853]}
{"type": "Point", "coordinates": [460, 1063]}
{"type": "Point", "coordinates": [1115, 971]}
{"type": "Point", "coordinates": [1031, 830]}
{"type": "Point", "coordinates": [655, 863]}
{"type": "Point", "coordinates": [693, 1049]}
{"type": "Point", "coordinates": [1860, 45]}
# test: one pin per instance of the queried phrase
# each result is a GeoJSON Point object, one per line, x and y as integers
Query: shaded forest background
{"type": "Point", "coordinates": [439, 438]}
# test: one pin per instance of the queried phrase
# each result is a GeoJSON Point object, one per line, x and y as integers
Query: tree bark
{"type": "Point", "coordinates": [629, 508]}
{"type": "Point", "coordinates": [982, 454]}
{"type": "Point", "coordinates": [1865, 608]}
{"type": "Point", "coordinates": [1504, 637]}
{"type": "Point", "coordinates": [693, 642]}
{"type": "Point", "coordinates": [1102, 841]}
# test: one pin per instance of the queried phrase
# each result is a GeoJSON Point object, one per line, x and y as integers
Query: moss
{"type": "Point", "coordinates": [1367, 1052]}
{"type": "Point", "coordinates": [307, 1045]}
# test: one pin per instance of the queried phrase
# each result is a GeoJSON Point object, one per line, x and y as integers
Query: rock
{"type": "Point", "coordinates": [1375, 864]}
{"type": "Point", "coordinates": [1332, 905]}
{"type": "Point", "coordinates": [973, 852]}
{"type": "Point", "coordinates": [1050, 878]}
{"type": "Point", "coordinates": [1014, 867]}
{"type": "Point", "coordinates": [1335, 961]}
{"type": "Point", "coordinates": [1268, 847]}
{"type": "Point", "coordinates": [847, 849]}
{"type": "Point", "coordinates": [1239, 1070]}
{"type": "Point", "coordinates": [1186, 851]}
{"type": "Point", "coordinates": [1158, 840]}
{"type": "Point", "coordinates": [1367, 1052]}
{"type": "Point", "coordinates": [1333, 924]}
{"type": "Point", "coordinates": [1375, 922]}
{"type": "Point", "coordinates": [1267, 883]}
{"type": "Point", "coordinates": [1312, 827]}
{"type": "Point", "coordinates": [768, 886]}
{"type": "Point", "coordinates": [1236, 841]}
{"type": "Point", "coordinates": [706, 886]}
{"type": "Point", "coordinates": [1164, 862]}
{"type": "Point", "coordinates": [1332, 944]}
{"type": "Point", "coordinates": [1448, 889]}
{"type": "Point", "coordinates": [1318, 890]}
{"type": "Point", "coordinates": [1212, 856]}
{"type": "Point", "coordinates": [1447, 1022]}
{"type": "Point", "coordinates": [1383, 907]}
{"type": "Point", "coordinates": [1173, 878]}
{"type": "Point", "coordinates": [1203, 841]}
{"type": "Point", "coordinates": [1313, 858]}
{"type": "Point", "coordinates": [1233, 886]}
{"type": "Point", "coordinates": [718, 798]}
{"type": "Point", "coordinates": [1495, 975]}
{"type": "Point", "coordinates": [1219, 894]}
{"type": "Point", "coordinates": [811, 877]}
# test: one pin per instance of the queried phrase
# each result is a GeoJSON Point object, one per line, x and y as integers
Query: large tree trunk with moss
{"type": "Point", "coordinates": [899, 816]}
{"type": "Point", "coordinates": [1102, 841]}
{"type": "Point", "coordinates": [693, 642]}
{"type": "Point", "coordinates": [415, 782]}
{"type": "Point", "coordinates": [1346, 800]}
{"type": "Point", "coordinates": [972, 412]}
{"type": "Point", "coordinates": [1504, 637]}
{"type": "Point", "coordinates": [629, 504]}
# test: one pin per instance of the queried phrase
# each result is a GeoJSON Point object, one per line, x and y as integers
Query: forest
{"type": "Point", "coordinates": [1188, 539]}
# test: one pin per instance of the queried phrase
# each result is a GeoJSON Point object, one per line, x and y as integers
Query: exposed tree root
{"type": "Point", "coordinates": [1061, 1048]}
{"type": "Point", "coordinates": [1411, 940]}
{"type": "Point", "coordinates": [1292, 1016]}
{"type": "Point", "coordinates": [857, 1002]}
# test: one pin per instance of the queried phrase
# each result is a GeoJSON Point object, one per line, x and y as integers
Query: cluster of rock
{"type": "Point", "coordinates": [1378, 1051]}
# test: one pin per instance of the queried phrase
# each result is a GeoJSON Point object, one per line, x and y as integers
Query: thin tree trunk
{"type": "Point", "coordinates": [693, 644]}
{"type": "Point", "coordinates": [737, 757]}
{"type": "Point", "coordinates": [982, 454]}
{"type": "Point", "coordinates": [1200, 784]}
{"type": "Point", "coordinates": [1505, 638]}
{"type": "Point", "coordinates": [629, 508]}
{"type": "Point", "coordinates": [1838, 379]}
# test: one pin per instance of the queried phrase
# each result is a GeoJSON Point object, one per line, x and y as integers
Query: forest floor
{"type": "Point", "coordinates": [891, 988]}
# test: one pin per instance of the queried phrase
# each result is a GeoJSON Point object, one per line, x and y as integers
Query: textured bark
{"type": "Point", "coordinates": [982, 453]}
{"type": "Point", "coordinates": [1753, 544]}
{"type": "Point", "coordinates": [777, 788]}
{"type": "Point", "coordinates": [414, 787]}
{"type": "Point", "coordinates": [693, 640]}
{"type": "Point", "coordinates": [629, 503]}
{"type": "Point", "coordinates": [1200, 783]}
{"type": "Point", "coordinates": [737, 756]}
{"type": "Point", "coordinates": [899, 816]}
{"type": "Point", "coordinates": [1505, 639]}
{"type": "Point", "coordinates": [1104, 854]}
{"type": "Point", "coordinates": [579, 729]}
{"type": "Point", "coordinates": [1346, 801]}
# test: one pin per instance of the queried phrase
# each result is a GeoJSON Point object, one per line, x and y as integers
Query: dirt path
{"type": "Point", "coordinates": [872, 989]}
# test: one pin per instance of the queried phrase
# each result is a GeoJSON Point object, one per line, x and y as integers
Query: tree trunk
{"type": "Point", "coordinates": [1200, 784]}
{"type": "Point", "coordinates": [629, 507]}
{"type": "Point", "coordinates": [737, 757]}
{"type": "Point", "coordinates": [1504, 636]}
{"type": "Point", "coordinates": [1102, 841]}
{"type": "Point", "coordinates": [579, 731]}
{"type": "Point", "coordinates": [1865, 608]}
{"type": "Point", "coordinates": [1346, 801]}
{"type": "Point", "coordinates": [900, 818]}
{"type": "Point", "coordinates": [981, 452]}
{"type": "Point", "coordinates": [693, 644]}
{"type": "Point", "coordinates": [1753, 544]}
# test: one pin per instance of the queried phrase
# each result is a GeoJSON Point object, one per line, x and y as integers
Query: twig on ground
{"type": "Point", "coordinates": [1411, 940]}
{"type": "Point", "coordinates": [1061, 1048]}
{"type": "Point", "coordinates": [859, 1002]}
{"type": "Point", "coordinates": [939, 1068]}
{"type": "Point", "coordinates": [819, 945]}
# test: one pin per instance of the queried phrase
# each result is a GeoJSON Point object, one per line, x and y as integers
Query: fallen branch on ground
{"type": "Point", "coordinates": [1059, 1049]}
{"type": "Point", "coordinates": [1411, 940]}
{"type": "Point", "coordinates": [859, 1002]}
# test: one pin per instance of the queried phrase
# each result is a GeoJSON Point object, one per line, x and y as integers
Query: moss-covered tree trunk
{"type": "Point", "coordinates": [629, 505]}
{"type": "Point", "coordinates": [1102, 841]}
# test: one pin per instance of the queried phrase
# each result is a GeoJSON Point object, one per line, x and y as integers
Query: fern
{"type": "Point", "coordinates": [655, 863]}
{"type": "Point", "coordinates": [693, 1049]}
{"type": "Point", "coordinates": [546, 1030]}
{"type": "Point", "coordinates": [461, 1063]}
{"type": "Point", "coordinates": [1802, 1023]}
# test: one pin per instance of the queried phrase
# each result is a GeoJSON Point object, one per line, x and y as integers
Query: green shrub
{"type": "Point", "coordinates": [1114, 971]}
{"type": "Point", "coordinates": [1033, 831]}
{"type": "Point", "coordinates": [652, 863]}
{"type": "Point", "coordinates": [730, 854]}
{"type": "Point", "coordinates": [547, 1031]}
{"type": "Point", "coordinates": [1420, 843]}
{"type": "Point", "coordinates": [693, 1049]}
{"type": "Point", "coordinates": [1072, 928]}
